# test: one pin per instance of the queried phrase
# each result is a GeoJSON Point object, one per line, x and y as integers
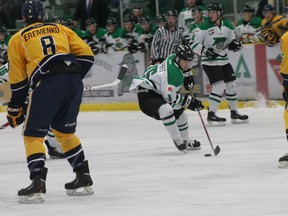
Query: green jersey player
{"type": "Point", "coordinates": [158, 96]}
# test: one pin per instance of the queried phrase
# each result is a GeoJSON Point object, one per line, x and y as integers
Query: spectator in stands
{"type": "Point", "coordinates": [247, 29]}
{"type": "Point", "coordinates": [273, 26]}
{"type": "Point", "coordinates": [96, 9]}
{"type": "Point", "coordinates": [166, 38]}
{"type": "Point", "coordinates": [161, 21]}
{"type": "Point", "coordinates": [185, 19]}
{"type": "Point", "coordinates": [137, 13]}
{"type": "Point", "coordinates": [10, 11]}
{"type": "Point", "coordinates": [94, 36]}
{"type": "Point", "coordinates": [4, 39]}
{"type": "Point", "coordinates": [114, 34]}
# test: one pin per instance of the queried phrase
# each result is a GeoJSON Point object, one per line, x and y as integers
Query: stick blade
{"type": "Point", "coordinates": [4, 126]}
{"type": "Point", "coordinates": [122, 72]}
{"type": "Point", "coordinates": [217, 150]}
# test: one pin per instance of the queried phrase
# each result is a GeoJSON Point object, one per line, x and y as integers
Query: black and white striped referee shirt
{"type": "Point", "coordinates": [164, 43]}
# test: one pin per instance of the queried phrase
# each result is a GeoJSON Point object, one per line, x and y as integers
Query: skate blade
{"type": "Point", "coordinates": [283, 164]}
{"type": "Point", "coordinates": [83, 191]}
{"type": "Point", "coordinates": [183, 151]}
{"type": "Point", "coordinates": [239, 121]}
{"type": "Point", "coordinates": [32, 199]}
{"type": "Point", "coordinates": [215, 124]}
{"type": "Point", "coordinates": [193, 149]}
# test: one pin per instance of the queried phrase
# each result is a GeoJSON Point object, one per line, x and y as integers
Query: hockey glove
{"type": "Point", "coordinates": [192, 103]}
{"type": "Point", "coordinates": [188, 83]}
{"type": "Point", "coordinates": [133, 46]}
{"type": "Point", "coordinates": [209, 53]}
{"type": "Point", "coordinates": [235, 45]}
{"type": "Point", "coordinates": [16, 114]}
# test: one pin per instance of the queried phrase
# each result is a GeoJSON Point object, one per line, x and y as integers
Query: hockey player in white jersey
{"type": "Point", "coordinates": [247, 29]}
{"type": "Point", "coordinates": [211, 41]}
{"type": "Point", "coordinates": [158, 96]}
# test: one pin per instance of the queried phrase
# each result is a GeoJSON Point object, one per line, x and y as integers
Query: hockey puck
{"type": "Point", "coordinates": [207, 155]}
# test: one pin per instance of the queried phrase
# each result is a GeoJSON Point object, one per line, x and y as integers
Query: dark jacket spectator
{"type": "Point", "coordinates": [97, 9]}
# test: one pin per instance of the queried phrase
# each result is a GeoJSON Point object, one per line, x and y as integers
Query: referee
{"type": "Point", "coordinates": [166, 38]}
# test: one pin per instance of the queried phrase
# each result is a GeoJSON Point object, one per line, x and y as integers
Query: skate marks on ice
{"type": "Point", "coordinates": [138, 171]}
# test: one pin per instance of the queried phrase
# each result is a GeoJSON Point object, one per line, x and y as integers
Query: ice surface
{"type": "Point", "coordinates": [137, 171]}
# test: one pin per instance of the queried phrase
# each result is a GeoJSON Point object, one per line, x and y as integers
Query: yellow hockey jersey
{"type": "Point", "coordinates": [273, 32]}
{"type": "Point", "coordinates": [284, 51]}
{"type": "Point", "coordinates": [37, 45]}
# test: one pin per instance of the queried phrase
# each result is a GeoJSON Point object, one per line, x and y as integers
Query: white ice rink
{"type": "Point", "coordinates": [137, 171]}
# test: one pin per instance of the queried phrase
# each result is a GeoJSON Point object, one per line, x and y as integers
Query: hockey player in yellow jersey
{"type": "Point", "coordinates": [274, 26]}
{"type": "Point", "coordinates": [283, 161]}
{"type": "Point", "coordinates": [52, 60]}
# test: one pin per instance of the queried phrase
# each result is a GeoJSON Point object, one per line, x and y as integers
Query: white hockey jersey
{"type": "Point", "coordinates": [250, 29]}
{"type": "Point", "coordinates": [185, 19]}
{"type": "Point", "coordinates": [208, 35]}
{"type": "Point", "coordinates": [165, 79]}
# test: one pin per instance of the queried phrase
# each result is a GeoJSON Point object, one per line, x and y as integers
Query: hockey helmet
{"type": "Point", "coordinates": [184, 52]}
{"type": "Point", "coordinates": [33, 11]}
{"type": "Point", "coordinates": [161, 18]}
{"type": "Point", "coordinates": [145, 19]}
{"type": "Point", "coordinates": [90, 21]}
{"type": "Point", "coordinates": [248, 8]}
{"type": "Point", "coordinates": [215, 6]}
{"type": "Point", "coordinates": [269, 7]}
{"type": "Point", "coordinates": [129, 18]}
{"type": "Point", "coordinates": [68, 23]}
{"type": "Point", "coordinates": [3, 30]}
{"type": "Point", "coordinates": [57, 19]}
{"type": "Point", "coordinates": [172, 13]}
{"type": "Point", "coordinates": [111, 21]}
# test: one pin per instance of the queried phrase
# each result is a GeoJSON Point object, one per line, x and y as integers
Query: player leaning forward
{"type": "Point", "coordinates": [211, 39]}
{"type": "Point", "coordinates": [52, 60]}
{"type": "Point", "coordinates": [158, 96]}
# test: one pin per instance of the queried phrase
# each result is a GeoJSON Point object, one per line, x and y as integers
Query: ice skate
{"type": "Point", "coordinates": [54, 152]}
{"type": "Point", "coordinates": [193, 145]}
{"type": "Point", "coordinates": [81, 185]}
{"type": "Point", "coordinates": [181, 147]}
{"type": "Point", "coordinates": [283, 161]}
{"type": "Point", "coordinates": [213, 120]}
{"type": "Point", "coordinates": [34, 193]}
{"type": "Point", "coordinates": [237, 118]}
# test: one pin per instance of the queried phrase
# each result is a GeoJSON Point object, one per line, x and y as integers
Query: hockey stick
{"type": "Point", "coordinates": [222, 56]}
{"type": "Point", "coordinates": [119, 78]}
{"type": "Point", "coordinates": [4, 126]}
{"type": "Point", "coordinates": [258, 30]}
{"type": "Point", "coordinates": [216, 150]}
{"type": "Point", "coordinates": [4, 103]}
